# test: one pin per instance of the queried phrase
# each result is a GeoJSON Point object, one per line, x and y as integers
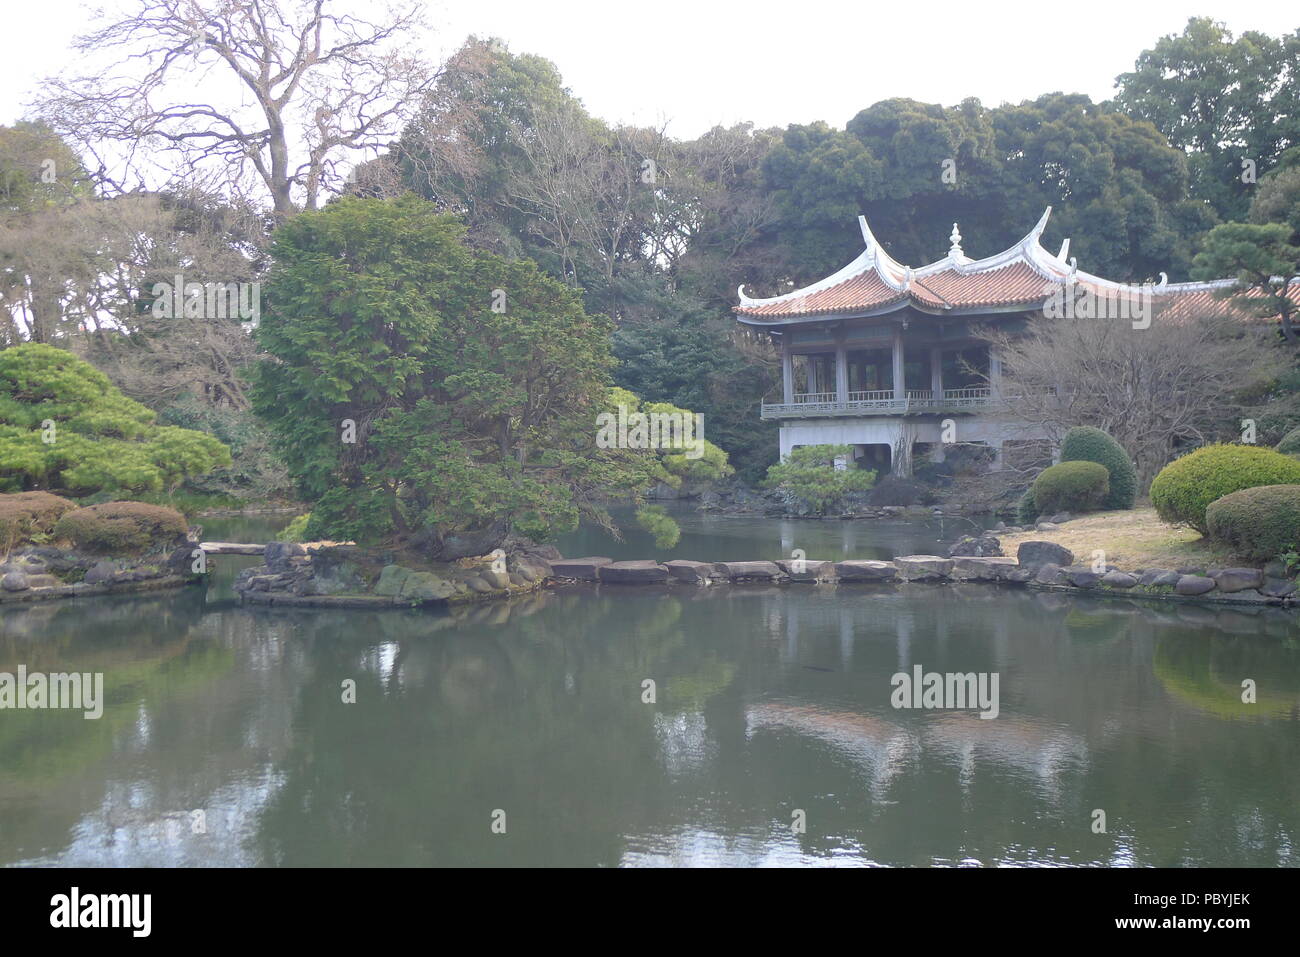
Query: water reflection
{"type": "Point", "coordinates": [769, 701]}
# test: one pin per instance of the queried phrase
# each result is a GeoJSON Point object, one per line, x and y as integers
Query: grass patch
{"type": "Point", "coordinates": [1135, 538]}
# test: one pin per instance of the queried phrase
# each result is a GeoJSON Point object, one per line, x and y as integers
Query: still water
{"type": "Point", "coordinates": [767, 702]}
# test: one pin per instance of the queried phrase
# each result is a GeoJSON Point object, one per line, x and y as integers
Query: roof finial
{"type": "Point", "coordinates": [954, 251]}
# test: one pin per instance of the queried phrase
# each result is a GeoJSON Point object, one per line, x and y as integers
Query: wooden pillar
{"type": "Point", "coordinates": [899, 393]}
{"type": "Point", "coordinates": [841, 373]}
{"type": "Point", "coordinates": [787, 372]}
{"type": "Point", "coordinates": [936, 371]}
{"type": "Point", "coordinates": [995, 370]}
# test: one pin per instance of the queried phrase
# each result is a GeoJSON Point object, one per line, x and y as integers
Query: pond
{"type": "Point", "coordinates": [771, 708]}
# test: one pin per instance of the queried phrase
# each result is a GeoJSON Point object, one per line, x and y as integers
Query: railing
{"type": "Point", "coordinates": [820, 404]}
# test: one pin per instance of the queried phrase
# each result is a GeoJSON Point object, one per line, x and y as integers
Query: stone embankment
{"type": "Point", "coordinates": [40, 572]}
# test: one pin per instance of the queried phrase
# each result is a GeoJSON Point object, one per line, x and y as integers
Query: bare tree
{"type": "Point", "coordinates": [1177, 381]}
{"type": "Point", "coordinates": [291, 92]}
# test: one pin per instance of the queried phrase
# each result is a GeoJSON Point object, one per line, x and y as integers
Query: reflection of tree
{"type": "Point", "coordinates": [1207, 672]}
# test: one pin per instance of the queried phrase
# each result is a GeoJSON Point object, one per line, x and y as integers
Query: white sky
{"type": "Point", "coordinates": [695, 63]}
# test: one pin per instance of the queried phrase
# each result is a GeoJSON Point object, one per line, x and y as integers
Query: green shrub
{"type": "Point", "coordinates": [295, 531]}
{"type": "Point", "coordinates": [29, 513]}
{"type": "Point", "coordinates": [1259, 524]}
{"type": "Point", "coordinates": [809, 474]}
{"type": "Point", "coordinates": [1027, 508]}
{"type": "Point", "coordinates": [1087, 444]}
{"type": "Point", "coordinates": [1071, 487]}
{"type": "Point", "coordinates": [1186, 486]}
{"type": "Point", "coordinates": [122, 527]}
{"type": "Point", "coordinates": [656, 520]}
{"type": "Point", "coordinates": [1290, 444]}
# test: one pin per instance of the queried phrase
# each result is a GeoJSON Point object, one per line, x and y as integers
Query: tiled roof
{"type": "Point", "coordinates": [858, 293]}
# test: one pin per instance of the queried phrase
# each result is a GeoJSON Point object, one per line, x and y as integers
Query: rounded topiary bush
{"type": "Point", "coordinates": [1087, 444]}
{"type": "Point", "coordinates": [1259, 523]}
{"type": "Point", "coordinates": [25, 514]}
{"type": "Point", "coordinates": [122, 527]}
{"type": "Point", "coordinates": [1071, 487]}
{"type": "Point", "coordinates": [1290, 444]}
{"type": "Point", "coordinates": [1186, 486]}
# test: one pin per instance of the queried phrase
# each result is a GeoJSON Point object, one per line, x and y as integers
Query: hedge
{"type": "Point", "coordinates": [25, 514]}
{"type": "Point", "coordinates": [1071, 487]}
{"type": "Point", "coordinates": [1185, 487]}
{"type": "Point", "coordinates": [1258, 524]}
{"type": "Point", "coordinates": [1087, 444]}
{"type": "Point", "coordinates": [122, 527]}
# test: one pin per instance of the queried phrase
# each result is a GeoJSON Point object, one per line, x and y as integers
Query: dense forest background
{"type": "Point", "coordinates": [657, 232]}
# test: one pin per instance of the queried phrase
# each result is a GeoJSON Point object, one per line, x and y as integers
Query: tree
{"type": "Point", "coordinates": [64, 426]}
{"type": "Point", "coordinates": [323, 86]}
{"type": "Point", "coordinates": [1265, 262]}
{"type": "Point", "coordinates": [427, 393]}
{"type": "Point", "coordinates": [810, 474]}
{"type": "Point", "coordinates": [1226, 101]}
{"type": "Point", "coordinates": [1151, 389]}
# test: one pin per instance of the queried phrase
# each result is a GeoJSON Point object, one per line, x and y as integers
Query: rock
{"type": "Point", "coordinates": [277, 554]}
{"type": "Point", "coordinates": [1159, 576]}
{"type": "Point", "coordinates": [1194, 585]}
{"type": "Point", "coordinates": [497, 579]}
{"type": "Point", "coordinates": [982, 569]}
{"type": "Point", "coordinates": [857, 570]}
{"type": "Point", "coordinates": [52, 581]}
{"type": "Point", "coordinates": [741, 571]}
{"type": "Point", "coordinates": [1276, 569]}
{"type": "Point", "coordinates": [710, 500]}
{"type": "Point", "coordinates": [1049, 574]}
{"type": "Point", "coordinates": [1277, 588]}
{"type": "Point", "coordinates": [478, 585]}
{"type": "Point", "coordinates": [970, 545]}
{"type": "Point", "coordinates": [1060, 518]}
{"type": "Point", "coordinates": [425, 586]}
{"type": "Point", "coordinates": [915, 568]}
{"type": "Point", "coordinates": [1020, 575]}
{"type": "Point", "coordinates": [1035, 555]}
{"type": "Point", "coordinates": [640, 572]}
{"type": "Point", "coordinates": [1119, 580]}
{"type": "Point", "coordinates": [583, 569]}
{"type": "Point", "coordinates": [99, 573]}
{"type": "Point", "coordinates": [1046, 527]}
{"type": "Point", "coordinates": [694, 573]}
{"type": "Point", "coordinates": [15, 581]}
{"type": "Point", "coordinates": [1238, 579]}
{"type": "Point", "coordinates": [391, 579]}
{"type": "Point", "coordinates": [806, 570]}
{"type": "Point", "coordinates": [1082, 576]}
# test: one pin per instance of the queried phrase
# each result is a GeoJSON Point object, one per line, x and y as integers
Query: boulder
{"type": "Point", "coordinates": [1119, 580]}
{"type": "Point", "coordinates": [99, 573]}
{"type": "Point", "coordinates": [425, 586]}
{"type": "Point", "coordinates": [15, 581]}
{"type": "Point", "coordinates": [497, 579]}
{"type": "Point", "coordinates": [982, 569]}
{"type": "Point", "coordinates": [741, 571]}
{"type": "Point", "coordinates": [583, 569]}
{"type": "Point", "coordinates": [979, 547]}
{"type": "Point", "coordinates": [1049, 574]}
{"type": "Point", "coordinates": [52, 581]}
{"type": "Point", "coordinates": [1060, 518]}
{"type": "Point", "coordinates": [391, 579]}
{"type": "Point", "coordinates": [277, 554]}
{"type": "Point", "coordinates": [1082, 576]}
{"type": "Point", "coordinates": [1277, 588]}
{"type": "Point", "coordinates": [1238, 579]}
{"type": "Point", "coordinates": [694, 573]}
{"type": "Point", "coordinates": [806, 570]}
{"type": "Point", "coordinates": [917, 568]}
{"type": "Point", "coordinates": [1019, 575]}
{"type": "Point", "coordinates": [1159, 577]}
{"type": "Point", "coordinates": [866, 571]}
{"type": "Point", "coordinates": [1194, 585]}
{"type": "Point", "coordinates": [640, 572]}
{"type": "Point", "coordinates": [1046, 527]}
{"type": "Point", "coordinates": [478, 585]}
{"type": "Point", "coordinates": [1035, 555]}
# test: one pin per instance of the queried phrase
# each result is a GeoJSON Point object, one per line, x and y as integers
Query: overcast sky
{"type": "Point", "coordinates": [695, 63]}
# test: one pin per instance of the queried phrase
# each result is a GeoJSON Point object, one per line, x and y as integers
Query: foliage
{"type": "Point", "coordinates": [655, 520]}
{"type": "Point", "coordinates": [100, 439]}
{"type": "Point", "coordinates": [1088, 444]}
{"type": "Point", "coordinates": [122, 527]}
{"type": "Point", "coordinates": [1027, 510]}
{"type": "Point", "coordinates": [1290, 443]}
{"type": "Point", "coordinates": [1185, 487]}
{"type": "Point", "coordinates": [468, 420]}
{"type": "Point", "coordinates": [296, 530]}
{"type": "Point", "coordinates": [1259, 524]}
{"type": "Point", "coordinates": [1071, 487]}
{"type": "Point", "coordinates": [809, 474]}
{"type": "Point", "coordinates": [254, 473]}
{"type": "Point", "coordinates": [27, 514]}
{"type": "Point", "coordinates": [897, 490]}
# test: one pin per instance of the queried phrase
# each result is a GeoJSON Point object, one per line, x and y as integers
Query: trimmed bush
{"type": "Point", "coordinates": [25, 514]}
{"type": "Point", "coordinates": [1290, 444]}
{"type": "Point", "coordinates": [122, 527]}
{"type": "Point", "coordinates": [1186, 486]}
{"type": "Point", "coordinates": [1258, 524]}
{"type": "Point", "coordinates": [1071, 487]}
{"type": "Point", "coordinates": [1027, 508]}
{"type": "Point", "coordinates": [1087, 444]}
